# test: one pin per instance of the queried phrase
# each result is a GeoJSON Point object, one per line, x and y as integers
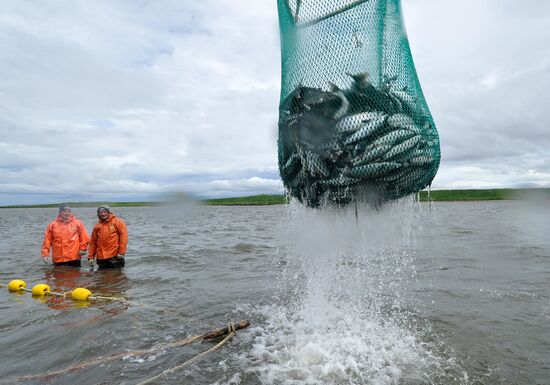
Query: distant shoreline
{"type": "Point", "coordinates": [265, 200]}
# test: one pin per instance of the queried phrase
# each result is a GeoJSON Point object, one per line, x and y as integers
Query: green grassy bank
{"type": "Point", "coordinates": [436, 195]}
{"type": "Point", "coordinates": [485, 195]}
{"type": "Point", "coordinates": [255, 200]}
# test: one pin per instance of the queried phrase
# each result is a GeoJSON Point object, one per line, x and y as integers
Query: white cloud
{"type": "Point", "coordinates": [130, 97]}
{"type": "Point", "coordinates": [485, 71]}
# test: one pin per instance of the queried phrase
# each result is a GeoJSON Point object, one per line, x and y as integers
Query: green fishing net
{"type": "Point", "coordinates": [353, 122]}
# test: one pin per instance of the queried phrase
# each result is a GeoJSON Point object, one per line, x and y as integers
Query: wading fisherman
{"type": "Point", "coordinates": [109, 240]}
{"type": "Point", "coordinates": [67, 238]}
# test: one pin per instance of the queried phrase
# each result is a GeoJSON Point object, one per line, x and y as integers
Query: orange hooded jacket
{"type": "Point", "coordinates": [66, 239]}
{"type": "Point", "coordinates": [109, 238]}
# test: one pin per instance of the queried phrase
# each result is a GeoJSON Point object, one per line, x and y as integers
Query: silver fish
{"type": "Point", "coordinates": [406, 99]}
{"type": "Point", "coordinates": [397, 175]}
{"type": "Point", "coordinates": [292, 164]}
{"type": "Point", "coordinates": [352, 123]}
{"type": "Point", "coordinates": [344, 107]}
{"type": "Point", "coordinates": [301, 153]}
{"type": "Point", "coordinates": [400, 120]}
{"type": "Point", "coordinates": [398, 104]}
{"type": "Point", "coordinates": [421, 161]}
{"type": "Point", "coordinates": [329, 146]}
{"type": "Point", "coordinates": [413, 128]}
{"type": "Point", "coordinates": [366, 130]}
{"type": "Point", "coordinates": [370, 155]}
{"type": "Point", "coordinates": [392, 138]}
{"type": "Point", "coordinates": [418, 152]}
{"type": "Point", "coordinates": [339, 181]}
{"type": "Point", "coordinates": [298, 179]}
{"type": "Point", "coordinates": [402, 147]}
{"type": "Point", "coordinates": [315, 164]}
{"type": "Point", "coordinates": [373, 169]}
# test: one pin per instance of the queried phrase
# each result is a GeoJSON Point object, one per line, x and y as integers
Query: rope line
{"type": "Point", "coordinates": [110, 298]}
{"type": "Point", "coordinates": [232, 331]}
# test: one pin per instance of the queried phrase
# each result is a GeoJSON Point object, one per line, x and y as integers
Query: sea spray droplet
{"type": "Point", "coordinates": [345, 315]}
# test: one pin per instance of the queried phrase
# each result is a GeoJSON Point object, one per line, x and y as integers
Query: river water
{"type": "Point", "coordinates": [455, 293]}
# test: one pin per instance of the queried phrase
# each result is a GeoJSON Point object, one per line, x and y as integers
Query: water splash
{"type": "Point", "coordinates": [346, 310]}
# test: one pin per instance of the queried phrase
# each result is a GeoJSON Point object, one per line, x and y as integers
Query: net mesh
{"type": "Point", "coordinates": [353, 122]}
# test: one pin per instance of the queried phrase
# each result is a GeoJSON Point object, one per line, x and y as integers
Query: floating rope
{"type": "Point", "coordinates": [232, 331]}
{"type": "Point", "coordinates": [100, 297]}
{"type": "Point", "coordinates": [229, 330]}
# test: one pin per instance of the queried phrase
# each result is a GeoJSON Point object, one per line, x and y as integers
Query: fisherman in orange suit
{"type": "Point", "coordinates": [66, 236]}
{"type": "Point", "coordinates": [109, 240]}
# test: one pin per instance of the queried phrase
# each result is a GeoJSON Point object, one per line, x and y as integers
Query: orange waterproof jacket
{"type": "Point", "coordinates": [66, 239]}
{"type": "Point", "coordinates": [109, 238]}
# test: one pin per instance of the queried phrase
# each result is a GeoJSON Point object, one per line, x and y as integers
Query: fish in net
{"type": "Point", "coordinates": [353, 121]}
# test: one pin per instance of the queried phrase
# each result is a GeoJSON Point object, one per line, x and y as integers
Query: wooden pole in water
{"type": "Point", "coordinates": [231, 332]}
{"type": "Point", "coordinates": [115, 356]}
{"type": "Point", "coordinates": [223, 331]}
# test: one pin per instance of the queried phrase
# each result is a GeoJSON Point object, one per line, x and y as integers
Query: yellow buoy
{"type": "Point", "coordinates": [16, 285]}
{"type": "Point", "coordinates": [40, 290]}
{"type": "Point", "coordinates": [81, 294]}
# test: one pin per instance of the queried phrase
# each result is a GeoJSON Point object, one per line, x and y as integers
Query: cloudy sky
{"type": "Point", "coordinates": [125, 100]}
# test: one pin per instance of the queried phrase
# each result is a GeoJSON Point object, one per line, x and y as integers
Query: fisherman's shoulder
{"type": "Point", "coordinates": [119, 220]}
{"type": "Point", "coordinates": [76, 221]}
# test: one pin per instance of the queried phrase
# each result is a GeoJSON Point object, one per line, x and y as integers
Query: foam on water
{"type": "Point", "coordinates": [345, 313]}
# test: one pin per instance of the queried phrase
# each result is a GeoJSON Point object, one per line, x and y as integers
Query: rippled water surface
{"type": "Point", "coordinates": [455, 294]}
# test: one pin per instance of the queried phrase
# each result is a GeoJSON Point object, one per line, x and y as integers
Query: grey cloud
{"type": "Point", "coordinates": [127, 98]}
{"type": "Point", "coordinates": [485, 70]}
